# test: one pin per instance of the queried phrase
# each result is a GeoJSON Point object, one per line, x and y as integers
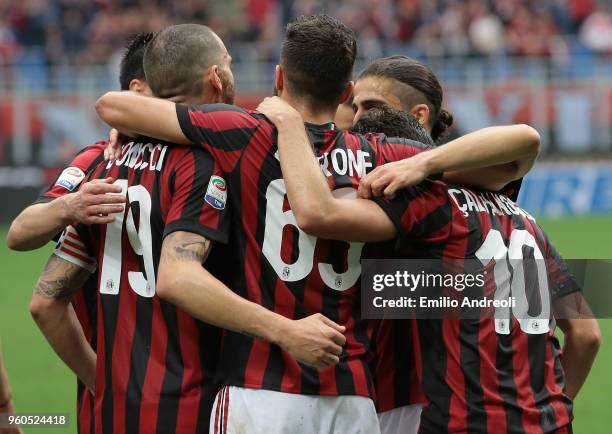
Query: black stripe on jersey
{"type": "Point", "coordinates": [268, 278]}
{"type": "Point", "coordinates": [209, 338]}
{"type": "Point", "coordinates": [236, 348]}
{"type": "Point", "coordinates": [167, 410]}
{"type": "Point", "coordinates": [403, 342]}
{"type": "Point", "coordinates": [233, 139]}
{"type": "Point", "coordinates": [435, 416]}
{"type": "Point", "coordinates": [109, 305]}
{"type": "Point", "coordinates": [141, 344]}
{"type": "Point", "coordinates": [536, 354]}
{"type": "Point", "coordinates": [560, 376]}
{"type": "Point", "coordinates": [469, 349]}
{"type": "Point", "coordinates": [505, 368]}
{"type": "Point", "coordinates": [201, 167]}
{"type": "Point", "coordinates": [139, 357]}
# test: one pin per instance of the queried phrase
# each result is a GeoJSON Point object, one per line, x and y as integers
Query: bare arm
{"type": "Point", "coordinates": [51, 309]}
{"type": "Point", "coordinates": [183, 281]}
{"type": "Point", "coordinates": [6, 402]}
{"type": "Point", "coordinates": [39, 223]}
{"type": "Point", "coordinates": [130, 112]}
{"type": "Point", "coordinates": [315, 208]}
{"type": "Point", "coordinates": [489, 159]}
{"type": "Point", "coordinates": [582, 342]}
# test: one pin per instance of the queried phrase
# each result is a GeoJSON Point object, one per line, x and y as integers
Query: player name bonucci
{"type": "Point", "coordinates": [443, 302]}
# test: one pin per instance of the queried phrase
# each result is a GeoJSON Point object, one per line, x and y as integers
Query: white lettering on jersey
{"type": "Point", "coordinates": [140, 156]}
{"type": "Point", "coordinates": [345, 162]}
{"type": "Point", "coordinates": [491, 203]}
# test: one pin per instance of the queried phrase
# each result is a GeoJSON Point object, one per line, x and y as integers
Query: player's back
{"type": "Point", "coordinates": [155, 362]}
{"type": "Point", "coordinates": [501, 374]}
{"type": "Point", "coordinates": [280, 266]}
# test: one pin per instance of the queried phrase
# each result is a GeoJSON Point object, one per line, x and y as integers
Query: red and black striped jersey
{"type": "Point", "coordinates": [278, 265]}
{"type": "Point", "coordinates": [84, 300]}
{"type": "Point", "coordinates": [74, 173]}
{"type": "Point", "coordinates": [395, 363]}
{"type": "Point", "coordinates": [155, 363]}
{"type": "Point", "coordinates": [487, 375]}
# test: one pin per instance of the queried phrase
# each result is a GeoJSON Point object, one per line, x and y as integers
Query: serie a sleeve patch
{"type": "Point", "coordinates": [70, 178]}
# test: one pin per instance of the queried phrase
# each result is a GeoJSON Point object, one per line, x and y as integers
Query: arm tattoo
{"type": "Point", "coordinates": [60, 278]}
{"type": "Point", "coordinates": [184, 246]}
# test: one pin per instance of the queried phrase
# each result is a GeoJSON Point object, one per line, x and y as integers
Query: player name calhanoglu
{"type": "Point", "coordinates": [140, 156]}
{"type": "Point", "coordinates": [491, 203]}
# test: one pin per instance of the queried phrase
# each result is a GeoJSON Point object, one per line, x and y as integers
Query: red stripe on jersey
{"type": "Point", "coordinates": [385, 369]}
{"type": "Point", "coordinates": [154, 376]}
{"type": "Point", "coordinates": [493, 402]}
{"type": "Point", "coordinates": [82, 313]}
{"type": "Point", "coordinates": [487, 351]}
{"type": "Point", "coordinates": [354, 349]}
{"type": "Point", "coordinates": [178, 201]}
{"type": "Point", "coordinates": [73, 236]}
{"type": "Point", "coordinates": [100, 357]}
{"type": "Point", "coordinates": [192, 374]}
{"type": "Point", "coordinates": [454, 376]}
{"type": "Point", "coordinates": [417, 396]}
{"type": "Point", "coordinates": [522, 377]}
{"type": "Point", "coordinates": [260, 350]}
{"type": "Point", "coordinates": [555, 391]}
{"type": "Point", "coordinates": [122, 345]}
{"type": "Point", "coordinates": [212, 121]}
{"type": "Point", "coordinates": [77, 246]}
{"type": "Point", "coordinates": [218, 402]}
{"type": "Point", "coordinates": [226, 407]}
{"type": "Point", "coordinates": [75, 254]}
{"type": "Point", "coordinates": [451, 330]}
{"type": "Point", "coordinates": [84, 413]}
{"type": "Point", "coordinates": [284, 304]}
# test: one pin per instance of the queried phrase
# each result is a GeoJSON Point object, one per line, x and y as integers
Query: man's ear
{"type": "Point", "coordinates": [279, 79]}
{"type": "Point", "coordinates": [421, 113]}
{"type": "Point", "coordinates": [137, 86]}
{"type": "Point", "coordinates": [347, 92]}
{"type": "Point", "coordinates": [215, 80]}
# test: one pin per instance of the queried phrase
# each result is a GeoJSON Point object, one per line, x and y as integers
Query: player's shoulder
{"type": "Point", "coordinates": [98, 146]}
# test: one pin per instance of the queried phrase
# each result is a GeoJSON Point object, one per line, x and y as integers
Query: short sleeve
{"type": "Point", "coordinates": [419, 211]}
{"type": "Point", "coordinates": [221, 129]}
{"type": "Point", "coordinates": [74, 173]}
{"type": "Point", "coordinates": [199, 200]}
{"type": "Point", "coordinates": [561, 279]}
{"type": "Point", "coordinates": [71, 248]}
{"type": "Point", "coordinates": [390, 149]}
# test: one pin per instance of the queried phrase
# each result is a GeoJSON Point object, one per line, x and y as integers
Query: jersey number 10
{"type": "Point", "coordinates": [510, 280]}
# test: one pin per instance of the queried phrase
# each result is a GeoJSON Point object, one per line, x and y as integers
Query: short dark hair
{"type": "Point", "coordinates": [392, 123]}
{"type": "Point", "coordinates": [131, 61]}
{"type": "Point", "coordinates": [317, 56]}
{"type": "Point", "coordinates": [176, 58]}
{"type": "Point", "coordinates": [426, 88]}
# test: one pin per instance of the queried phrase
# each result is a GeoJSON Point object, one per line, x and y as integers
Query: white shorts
{"type": "Point", "coordinates": [401, 420]}
{"type": "Point", "coordinates": [254, 411]}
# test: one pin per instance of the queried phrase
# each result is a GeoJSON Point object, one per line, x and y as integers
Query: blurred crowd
{"type": "Point", "coordinates": [89, 31]}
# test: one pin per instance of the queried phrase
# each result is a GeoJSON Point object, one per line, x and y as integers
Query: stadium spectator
{"type": "Point", "coordinates": [84, 32]}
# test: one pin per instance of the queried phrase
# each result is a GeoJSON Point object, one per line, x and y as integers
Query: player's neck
{"type": "Point", "coordinates": [317, 117]}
